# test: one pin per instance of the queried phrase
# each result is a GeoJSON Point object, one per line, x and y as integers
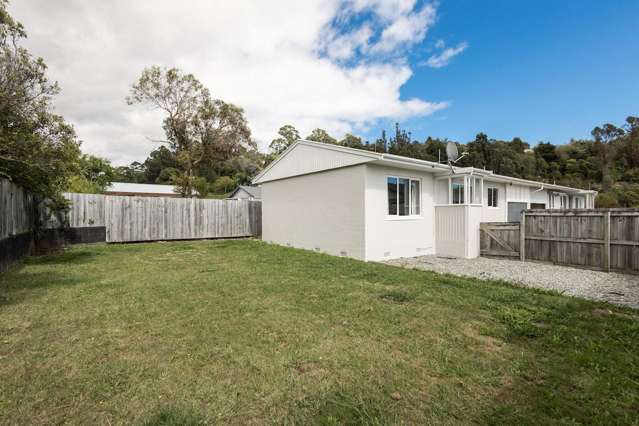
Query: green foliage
{"type": "Point", "coordinates": [38, 149]}
{"type": "Point", "coordinates": [606, 200]}
{"type": "Point", "coordinates": [95, 174]}
{"type": "Point", "coordinates": [321, 135]}
{"type": "Point", "coordinates": [288, 136]}
{"type": "Point", "coordinates": [223, 185]}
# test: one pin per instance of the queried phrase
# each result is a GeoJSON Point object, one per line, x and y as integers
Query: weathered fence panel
{"type": "Point", "coordinates": [605, 239]}
{"type": "Point", "coordinates": [17, 211]}
{"type": "Point", "coordinates": [129, 219]}
{"type": "Point", "coordinates": [499, 239]}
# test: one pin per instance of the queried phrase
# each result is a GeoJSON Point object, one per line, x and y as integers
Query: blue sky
{"type": "Point", "coordinates": [540, 70]}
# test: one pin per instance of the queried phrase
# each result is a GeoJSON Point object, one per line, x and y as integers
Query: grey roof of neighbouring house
{"type": "Point", "coordinates": [254, 191]}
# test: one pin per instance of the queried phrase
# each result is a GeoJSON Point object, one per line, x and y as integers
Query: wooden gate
{"type": "Point", "coordinates": [499, 239]}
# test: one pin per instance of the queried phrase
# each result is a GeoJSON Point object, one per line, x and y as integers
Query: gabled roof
{"type": "Point", "coordinates": [341, 156]}
{"type": "Point", "coordinates": [304, 157]}
{"type": "Point", "coordinates": [253, 191]}
{"type": "Point", "coordinates": [140, 188]}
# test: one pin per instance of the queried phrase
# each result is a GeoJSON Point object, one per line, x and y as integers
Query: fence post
{"type": "Point", "coordinates": [606, 251]}
{"type": "Point", "coordinates": [522, 237]}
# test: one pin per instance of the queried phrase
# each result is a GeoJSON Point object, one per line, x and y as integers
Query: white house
{"type": "Point", "coordinates": [374, 206]}
{"type": "Point", "coordinates": [244, 192]}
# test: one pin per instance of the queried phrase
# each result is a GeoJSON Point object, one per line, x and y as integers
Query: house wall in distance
{"type": "Point", "coordinates": [394, 237]}
{"type": "Point", "coordinates": [321, 211]}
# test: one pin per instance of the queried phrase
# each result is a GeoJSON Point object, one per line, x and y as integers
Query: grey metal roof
{"type": "Point", "coordinates": [141, 188]}
{"type": "Point", "coordinates": [254, 191]}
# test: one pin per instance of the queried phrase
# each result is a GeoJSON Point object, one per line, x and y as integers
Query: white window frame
{"type": "Point", "coordinates": [496, 199]}
{"type": "Point", "coordinates": [397, 216]}
{"type": "Point", "coordinates": [477, 183]}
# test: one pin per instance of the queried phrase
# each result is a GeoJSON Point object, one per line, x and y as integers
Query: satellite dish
{"type": "Point", "coordinates": [451, 151]}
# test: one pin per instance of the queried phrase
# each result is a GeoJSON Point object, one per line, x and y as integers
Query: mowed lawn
{"type": "Point", "coordinates": [244, 332]}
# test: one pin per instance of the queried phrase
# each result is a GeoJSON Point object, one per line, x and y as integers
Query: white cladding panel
{"type": "Point", "coordinates": [499, 213]}
{"type": "Point", "coordinates": [539, 197]}
{"type": "Point", "coordinates": [304, 159]}
{"type": "Point", "coordinates": [321, 211]}
{"type": "Point", "coordinates": [391, 237]}
{"type": "Point", "coordinates": [450, 230]}
{"type": "Point", "coordinates": [518, 193]}
{"type": "Point", "coordinates": [441, 191]}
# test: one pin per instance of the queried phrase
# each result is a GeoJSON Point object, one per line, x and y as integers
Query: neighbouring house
{"type": "Point", "coordinates": [141, 190]}
{"type": "Point", "coordinates": [374, 206]}
{"type": "Point", "coordinates": [244, 192]}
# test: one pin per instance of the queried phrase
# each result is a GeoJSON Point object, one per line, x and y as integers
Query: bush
{"type": "Point", "coordinates": [606, 200]}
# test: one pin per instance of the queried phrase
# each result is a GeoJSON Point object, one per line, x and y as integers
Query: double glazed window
{"type": "Point", "coordinates": [493, 197]}
{"type": "Point", "coordinates": [403, 196]}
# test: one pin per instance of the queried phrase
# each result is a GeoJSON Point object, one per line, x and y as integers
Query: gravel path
{"type": "Point", "coordinates": [615, 288]}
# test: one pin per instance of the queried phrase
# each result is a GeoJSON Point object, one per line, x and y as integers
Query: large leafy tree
{"type": "Point", "coordinates": [287, 137]}
{"type": "Point", "coordinates": [38, 149]}
{"type": "Point", "coordinates": [198, 128]}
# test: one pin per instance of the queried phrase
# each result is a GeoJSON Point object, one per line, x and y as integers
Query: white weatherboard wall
{"type": "Point", "coordinates": [518, 193]}
{"type": "Point", "coordinates": [499, 213]}
{"type": "Point", "coordinates": [457, 230]}
{"type": "Point", "coordinates": [450, 230]}
{"type": "Point", "coordinates": [320, 211]}
{"type": "Point", "coordinates": [394, 237]}
{"type": "Point", "coordinates": [539, 197]}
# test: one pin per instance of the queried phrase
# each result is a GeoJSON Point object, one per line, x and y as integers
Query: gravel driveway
{"type": "Point", "coordinates": [615, 288]}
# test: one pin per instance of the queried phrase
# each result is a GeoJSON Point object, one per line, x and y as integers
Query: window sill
{"type": "Point", "coordinates": [402, 218]}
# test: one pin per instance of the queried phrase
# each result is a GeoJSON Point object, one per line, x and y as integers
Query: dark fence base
{"type": "Point", "coordinates": [92, 234]}
{"type": "Point", "coordinates": [14, 248]}
{"type": "Point", "coordinates": [47, 241]}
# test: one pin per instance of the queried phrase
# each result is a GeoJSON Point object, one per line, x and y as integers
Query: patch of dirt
{"type": "Point", "coordinates": [309, 368]}
{"type": "Point", "coordinates": [489, 344]}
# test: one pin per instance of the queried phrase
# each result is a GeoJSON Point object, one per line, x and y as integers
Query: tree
{"type": "Point", "coordinates": [199, 129]}
{"type": "Point", "coordinates": [38, 149]}
{"type": "Point", "coordinates": [223, 185]}
{"type": "Point", "coordinates": [352, 141]}
{"type": "Point", "coordinates": [95, 175]}
{"type": "Point", "coordinates": [603, 141]}
{"type": "Point", "coordinates": [321, 135]}
{"type": "Point", "coordinates": [159, 159]}
{"type": "Point", "coordinates": [288, 136]}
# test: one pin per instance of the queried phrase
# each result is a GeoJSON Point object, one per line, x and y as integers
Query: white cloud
{"type": "Point", "coordinates": [282, 61]}
{"type": "Point", "coordinates": [406, 30]}
{"type": "Point", "coordinates": [442, 59]}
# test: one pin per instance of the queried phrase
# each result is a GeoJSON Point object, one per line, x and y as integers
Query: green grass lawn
{"type": "Point", "coordinates": [245, 332]}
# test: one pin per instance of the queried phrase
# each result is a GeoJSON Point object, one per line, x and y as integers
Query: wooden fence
{"type": "Point", "coordinates": [17, 215]}
{"type": "Point", "coordinates": [499, 239]}
{"type": "Point", "coordinates": [95, 218]}
{"type": "Point", "coordinates": [603, 239]}
{"type": "Point", "coordinates": [16, 210]}
{"type": "Point", "coordinates": [131, 219]}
